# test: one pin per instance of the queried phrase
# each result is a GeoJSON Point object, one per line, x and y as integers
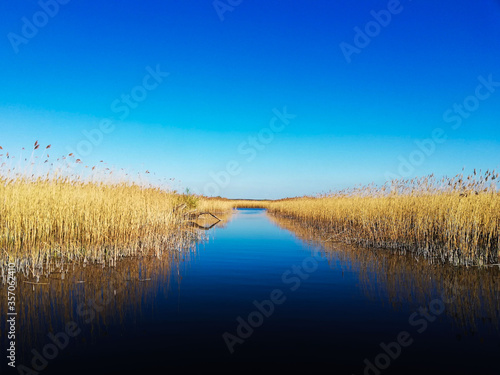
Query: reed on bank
{"type": "Point", "coordinates": [65, 210]}
{"type": "Point", "coordinates": [51, 217]}
{"type": "Point", "coordinates": [88, 214]}
{"type": "Point", "coordinates": [455, 220]}
{"type": "Point", "coordinates": [218, 204]}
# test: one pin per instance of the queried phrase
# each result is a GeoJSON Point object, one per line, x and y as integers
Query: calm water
{"type": "Point", "coordinates": [333, 307]}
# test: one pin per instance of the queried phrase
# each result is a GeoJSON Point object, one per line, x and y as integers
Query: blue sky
{"type": "Point", "coordinates": [355, 122]}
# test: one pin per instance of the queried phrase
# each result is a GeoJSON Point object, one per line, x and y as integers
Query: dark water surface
{"type": "Point", "coordinates": [333, 308]}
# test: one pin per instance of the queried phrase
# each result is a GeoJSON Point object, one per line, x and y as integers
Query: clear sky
{"type": "Point", "coordinates": [264, 99]}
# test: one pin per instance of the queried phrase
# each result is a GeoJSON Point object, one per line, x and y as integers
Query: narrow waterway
{"type": "Point", "coordinates": [264, 295]}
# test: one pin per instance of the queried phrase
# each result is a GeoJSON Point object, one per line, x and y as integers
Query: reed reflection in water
{"type": "Point", "coordinates": [97, 297]}
{"type": "Point", "coordinates": [172, 310]}
{"type": "Point", "coordinates": [472, 293]}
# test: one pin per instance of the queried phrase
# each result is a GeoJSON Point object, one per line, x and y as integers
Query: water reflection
{"type": "Point", "coordinates": [97, 297]}
{"type": "Point", "coordinates": [472, 295]}
{"type": "Point", "coordinates": [144, 304]}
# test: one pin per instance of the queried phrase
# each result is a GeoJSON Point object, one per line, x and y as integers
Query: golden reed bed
{"type": "Point", "coordinates": [453, 220]}
{"type": "Point", "coordinates": [44, 219]}
{"type": "Point", "coordinates": [53, 210]}
{"type": "Point", "coordinates": [86, 214]}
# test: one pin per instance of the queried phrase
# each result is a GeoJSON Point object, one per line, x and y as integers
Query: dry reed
{"type": "Point", "coordinates": [454, 220]}
{"type": "Point", "coordinates": [77, 214]}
